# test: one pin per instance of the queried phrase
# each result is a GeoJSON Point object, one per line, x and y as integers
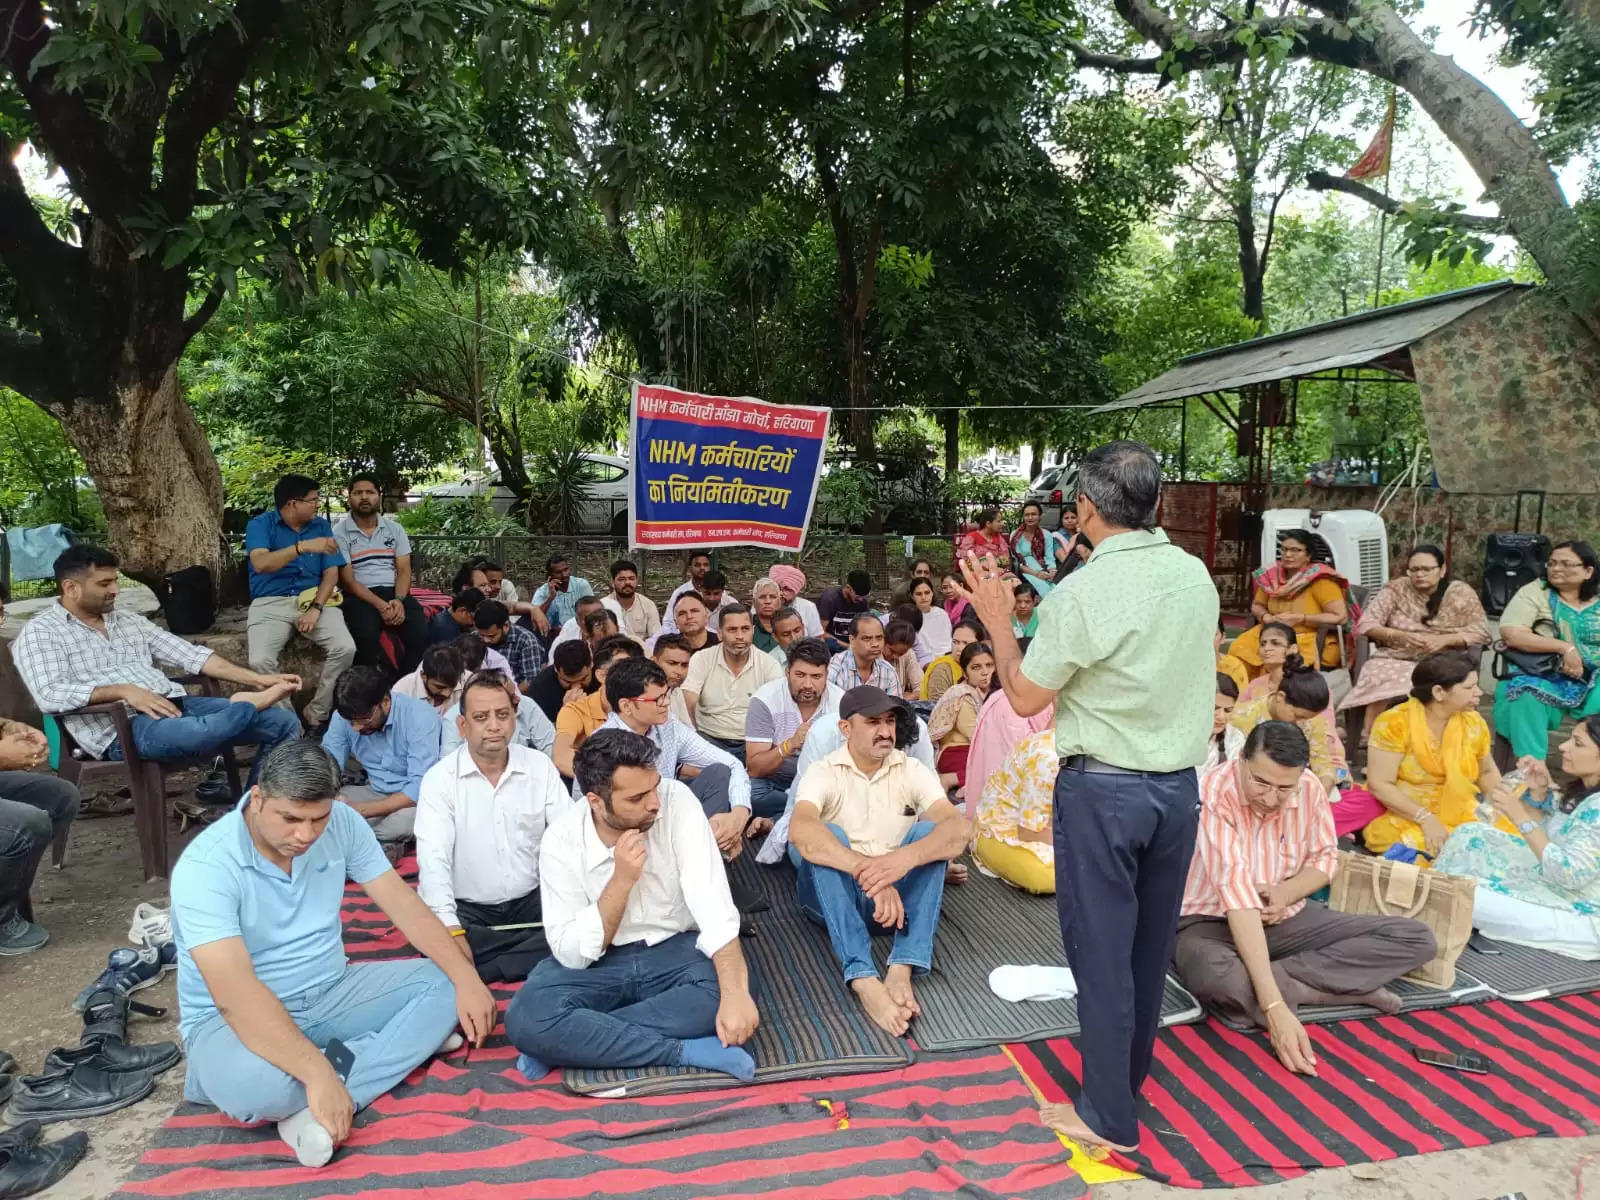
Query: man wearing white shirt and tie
{"type": "Point", "coordinates": [481, 819]}
{"type": "Point", "coordinates": [646, 967]}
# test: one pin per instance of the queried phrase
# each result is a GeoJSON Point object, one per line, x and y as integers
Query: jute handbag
{"type": "Point", "coordinates": [1376, 887]}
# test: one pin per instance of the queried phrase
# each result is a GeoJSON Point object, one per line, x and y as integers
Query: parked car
{"type": "Point", "coordinates": [1052, 491]}
{"type": "Point", "coordinates": [603, 510]}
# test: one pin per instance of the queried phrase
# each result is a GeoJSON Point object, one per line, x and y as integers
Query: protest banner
{"type": "Point", "coordinates": [722, 470]}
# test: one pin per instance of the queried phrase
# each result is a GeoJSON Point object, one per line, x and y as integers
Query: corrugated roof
{"type": "Point", "coordinates": [1363, 339]}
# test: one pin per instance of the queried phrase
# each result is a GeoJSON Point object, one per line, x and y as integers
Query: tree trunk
{"type": "Point", "coordinates": [1035, 460]}
{"type": "Point", "coordinates": [1253, 297]}
{"type": "Point", "coordinates": [157, 477]}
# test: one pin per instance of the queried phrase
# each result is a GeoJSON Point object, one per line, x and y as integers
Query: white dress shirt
{"type": "Point", "coordinates": [481, 842]}
{"type": "Point", "coordinates": [683, 885]}
{"type": "Point", "coordinates": [810, 618]}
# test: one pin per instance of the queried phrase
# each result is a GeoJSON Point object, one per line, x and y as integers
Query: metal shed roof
{"type": "Point", "coordinates": [1378, 338]}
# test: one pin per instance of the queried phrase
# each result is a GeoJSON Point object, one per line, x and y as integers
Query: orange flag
{"type": "Point", "coordinates": [1375, 161]}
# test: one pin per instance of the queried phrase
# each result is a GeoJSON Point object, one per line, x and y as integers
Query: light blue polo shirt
{"type": "Point", "coordinates": [222, 888]}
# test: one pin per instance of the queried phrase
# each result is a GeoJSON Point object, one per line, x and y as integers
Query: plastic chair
{"type": "Point", "coordinates": [146, 777]}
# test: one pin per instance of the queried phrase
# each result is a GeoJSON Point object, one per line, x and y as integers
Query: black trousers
{"type": "Point", "coordinates": [1123, 844]}
{"type": "Point", "coordinates": [366, 628]}
{"type": "Point", "coordinates": [34, 808]}
{"type": "Point", "coordinates": [504, 955]}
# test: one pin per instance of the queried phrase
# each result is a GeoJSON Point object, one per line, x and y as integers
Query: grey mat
{"type": "Point", "coordinates": [1523, 973]}
{"type": "Point", "coordinates": [986, 924]}
{"type": "Point", "coordinates": [811, 1025]}
{"type": "Point", "coordinates": [1414, 997]}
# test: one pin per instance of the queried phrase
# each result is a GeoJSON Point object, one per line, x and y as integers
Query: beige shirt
{"type": "Point", "coordinates": [722, 699]}
{"type": "Point", "coordinates": [639, 622]}
{"type": "Point", "coordinates": [875, 812]}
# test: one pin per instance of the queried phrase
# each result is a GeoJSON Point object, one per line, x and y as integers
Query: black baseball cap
{"type": "Point", "coordinates": [867, 701]}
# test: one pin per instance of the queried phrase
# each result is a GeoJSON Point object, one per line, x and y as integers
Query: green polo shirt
{"type": "Point", "coordinates": [1125, 643]}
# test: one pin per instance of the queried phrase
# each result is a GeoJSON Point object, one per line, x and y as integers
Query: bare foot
{"type": "Point", "coordinates": [1381, 999]}
{"type": "Point", "coordinates": [881, 1007]}
{"type": "Point", "coordinates": [758, 826]}
{"type": "Point", "coordinates": [897, 981]}
{"type": "Point", "coordinates": [1064, 1119]}
{"type": "Point", "coordinates": [955, 873]}
{"type": "Point", "coordinates": [265, 698]}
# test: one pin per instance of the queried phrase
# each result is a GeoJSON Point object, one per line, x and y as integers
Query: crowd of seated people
{"type": "Point", "coordinates": [571, 768]}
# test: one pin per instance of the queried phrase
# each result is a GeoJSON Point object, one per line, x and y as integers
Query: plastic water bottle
{"type": "Point", "coordinates": [1518, 779]}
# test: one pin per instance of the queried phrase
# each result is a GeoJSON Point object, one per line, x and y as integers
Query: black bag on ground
{"type": "Point", "coordinates": [190, 600]}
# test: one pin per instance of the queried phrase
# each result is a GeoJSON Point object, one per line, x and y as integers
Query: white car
{"type": "Point", "coordinates": [605, 483]}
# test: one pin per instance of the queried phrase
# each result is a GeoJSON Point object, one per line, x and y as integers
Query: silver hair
{"type": "Point", "coordinates": [1124, 481]}
{"type": "Point", "coordinates": [299, 770]}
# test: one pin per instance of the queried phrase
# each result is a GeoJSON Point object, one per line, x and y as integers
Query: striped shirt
{"type": "Point", "coordinates": [372, 556]}
{"type": "Point", "coordinates": [844, 674]}
{"type": "Point", "coordinates": [1238, 849]}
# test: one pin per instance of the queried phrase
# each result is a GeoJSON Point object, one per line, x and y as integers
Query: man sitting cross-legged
{"type": "Point", "coordinates": [263, 985]}
{"type": "Point", "coordinates": [482, 814]}
{"type": "Point", "coordinates": [82, 651]}
{"type": "Point", "coordinates": [395, 738]}
{"type": "Point", "coordinates": [647, 968]}
{"type": "Point", "coordinates": [1248, 943]}
{"type": "Point", "coordinates": [636, 691]}
{"type": "Point", "coordinates": [874, 832]}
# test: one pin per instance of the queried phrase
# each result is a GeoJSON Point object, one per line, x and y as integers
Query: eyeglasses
{"type": "Point", "coordinates": [1565, 564]}
{"type": "Point", "coordinates": [1285, 789]}
{"type": "Point", "coordinates": [661, 701]}
{"type": "Point", "coordinates": [1422, 570]}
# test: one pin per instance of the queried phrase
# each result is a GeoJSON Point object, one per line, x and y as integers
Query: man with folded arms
{"type": "Point", "coordinates": [1248, 943]}
{"type": "Point", "coordinates": [481, 817]}
{"type": "Point", "coordinates": [263, 985]}
{"type": "Point", "coordinates": [646, 968]}
{"type": "Point", "coordinates": [394, 738]}
{"type": "Point", "coordinates": [874, 832]}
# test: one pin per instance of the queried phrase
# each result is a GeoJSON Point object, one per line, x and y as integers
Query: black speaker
{"type": "Point", "coordinates": [191, 600]}
{"type": "Point", "coordinates": [1510, 560]}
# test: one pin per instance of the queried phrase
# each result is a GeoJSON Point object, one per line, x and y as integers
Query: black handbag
{"type": "Point", "coordinates": [1509, 663]}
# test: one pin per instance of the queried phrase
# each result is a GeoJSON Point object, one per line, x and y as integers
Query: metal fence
{"type": "Point", "coordinates": [436, 558]}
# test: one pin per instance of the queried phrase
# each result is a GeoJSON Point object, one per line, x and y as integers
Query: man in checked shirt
{"type": "Point", "coordinates": [82, 651]}
{"type": "Point", "coordinates": [1248, 943]}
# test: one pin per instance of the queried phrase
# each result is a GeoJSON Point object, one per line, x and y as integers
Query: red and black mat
{"type": "Point", "coordinates": [1221, 1112]}
{"type": "Point", "coordinates": [966, 1126]}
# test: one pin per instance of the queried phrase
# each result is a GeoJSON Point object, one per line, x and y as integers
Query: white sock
{"type": "Point", "coordinates": [451, 1044]}
{"type": "Point", "coordinates": [311, 1143]}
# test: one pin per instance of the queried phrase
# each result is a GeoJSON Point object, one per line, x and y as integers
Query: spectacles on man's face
{"type": "Point", "coordinates": [310, 501]}
{"type": "Point", "coordinates": [1282, 790]}
{"type": "Point", "coordinates": [660, 699]}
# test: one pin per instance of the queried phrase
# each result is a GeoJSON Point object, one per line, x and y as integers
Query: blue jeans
{"type": "Point", "coordinates": [829, 896]}
{"type": "Point", "coordinates": [633, 1007]}
{"type": "Point", "coordinates": [392, 1016]}
{"type": "Point", "coordinates": [208, 724]}
{"type": "Point", "coordinates": [33, 809]}
{"type": "Point", "coordinates": [768, 797]}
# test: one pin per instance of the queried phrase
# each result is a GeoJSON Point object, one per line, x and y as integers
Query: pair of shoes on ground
{"type": "Point", "coordinates": [129, 971]}
{"type": "Point", "coordinates": [28, 1164]}
{"type": "Point", "coordinates": [99, 1075]}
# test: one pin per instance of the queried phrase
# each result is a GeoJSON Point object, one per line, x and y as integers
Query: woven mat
{"type": "Point", "coordinates": [1414, 997]}
{"type": "Point", "coordinates": [1523, 973]}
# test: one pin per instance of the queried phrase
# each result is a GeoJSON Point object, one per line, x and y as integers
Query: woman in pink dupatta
{"type": "Point", "coordinates": [998, 730]}
{"type": "Point", "coordinates": [1305, 595]}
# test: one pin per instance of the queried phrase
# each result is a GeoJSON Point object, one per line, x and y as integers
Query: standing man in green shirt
{"type": "Point", "coordinates": [1124, 652]}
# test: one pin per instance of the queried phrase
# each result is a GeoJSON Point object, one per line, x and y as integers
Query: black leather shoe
{"type": "Point", "coordinates": [84, 1091]}
{"type": "Point", "coordinates": [26, 1170]}
{"type": "Point", "coordinates": [114, 1056]}
{"type": "Point", "coordinates": [20, 1137]}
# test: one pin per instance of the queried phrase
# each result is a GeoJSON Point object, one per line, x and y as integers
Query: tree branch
{"type": "Point", "coordinates": [217, 67]}
{"type": "Point", "coordinates": [1321, 181]}
{"type": "Point", "coordinates": [45, 268]}
{"type": "Point", "coordinates": [25, 367]}
{"type": "Point", "coordinates": [196, 321]}
{"type": "Point", "coordinates": [1323, 39]}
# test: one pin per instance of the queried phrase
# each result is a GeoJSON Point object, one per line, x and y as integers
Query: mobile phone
{"type": "Point", "coordinates": [1451, 1061]}
{"type": "Point", "coordinates": [1482, 945]}
{"type": "Point", "coordinates": [340, 1057]}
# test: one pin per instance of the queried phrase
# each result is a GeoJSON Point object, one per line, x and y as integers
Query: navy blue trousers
{"type": "Point", "coordinates": [1123, 845]}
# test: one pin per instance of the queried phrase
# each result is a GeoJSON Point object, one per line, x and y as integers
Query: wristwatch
{"type": "Point", "coordinates": [1526, 827]}
{"type": "Point", "coordinates": [316, 605]}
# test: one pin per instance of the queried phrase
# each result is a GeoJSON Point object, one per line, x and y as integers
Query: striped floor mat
{"type": "Point", "coordinates": [964, 1127]}
{"type": "Point", "coordinates": [811, 1026]}
{"type": "Point", "coordinates": [986, 924]}
{"type": "Point", "coordinates": [1221, 1112]}
{"type": "Point", "coordinates": [1524, 973]}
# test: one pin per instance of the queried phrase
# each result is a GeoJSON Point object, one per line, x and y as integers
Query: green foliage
{"type": "Point", "coordinates": [470, 517]}
{"type": "Point", "coordinates": [40, 473]}
{"type": "Point", "coordinates": [251, 466]}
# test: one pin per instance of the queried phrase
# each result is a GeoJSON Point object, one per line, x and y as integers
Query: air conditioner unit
{"type": "Point", "coordinates": [1355, 536]}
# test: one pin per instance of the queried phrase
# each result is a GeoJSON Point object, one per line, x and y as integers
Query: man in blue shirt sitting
{"type": "Point", "coordinates": [264, 990]}
{"type": "Point", "coordinates": [395, 738]}
{"type": "Point", "coordinates": [555, 600]}
{"type": "Point", "coordinates": [294, 564]}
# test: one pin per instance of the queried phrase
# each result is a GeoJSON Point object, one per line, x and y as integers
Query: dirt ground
{"type": "Point", "coordinates": [86, 907]}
